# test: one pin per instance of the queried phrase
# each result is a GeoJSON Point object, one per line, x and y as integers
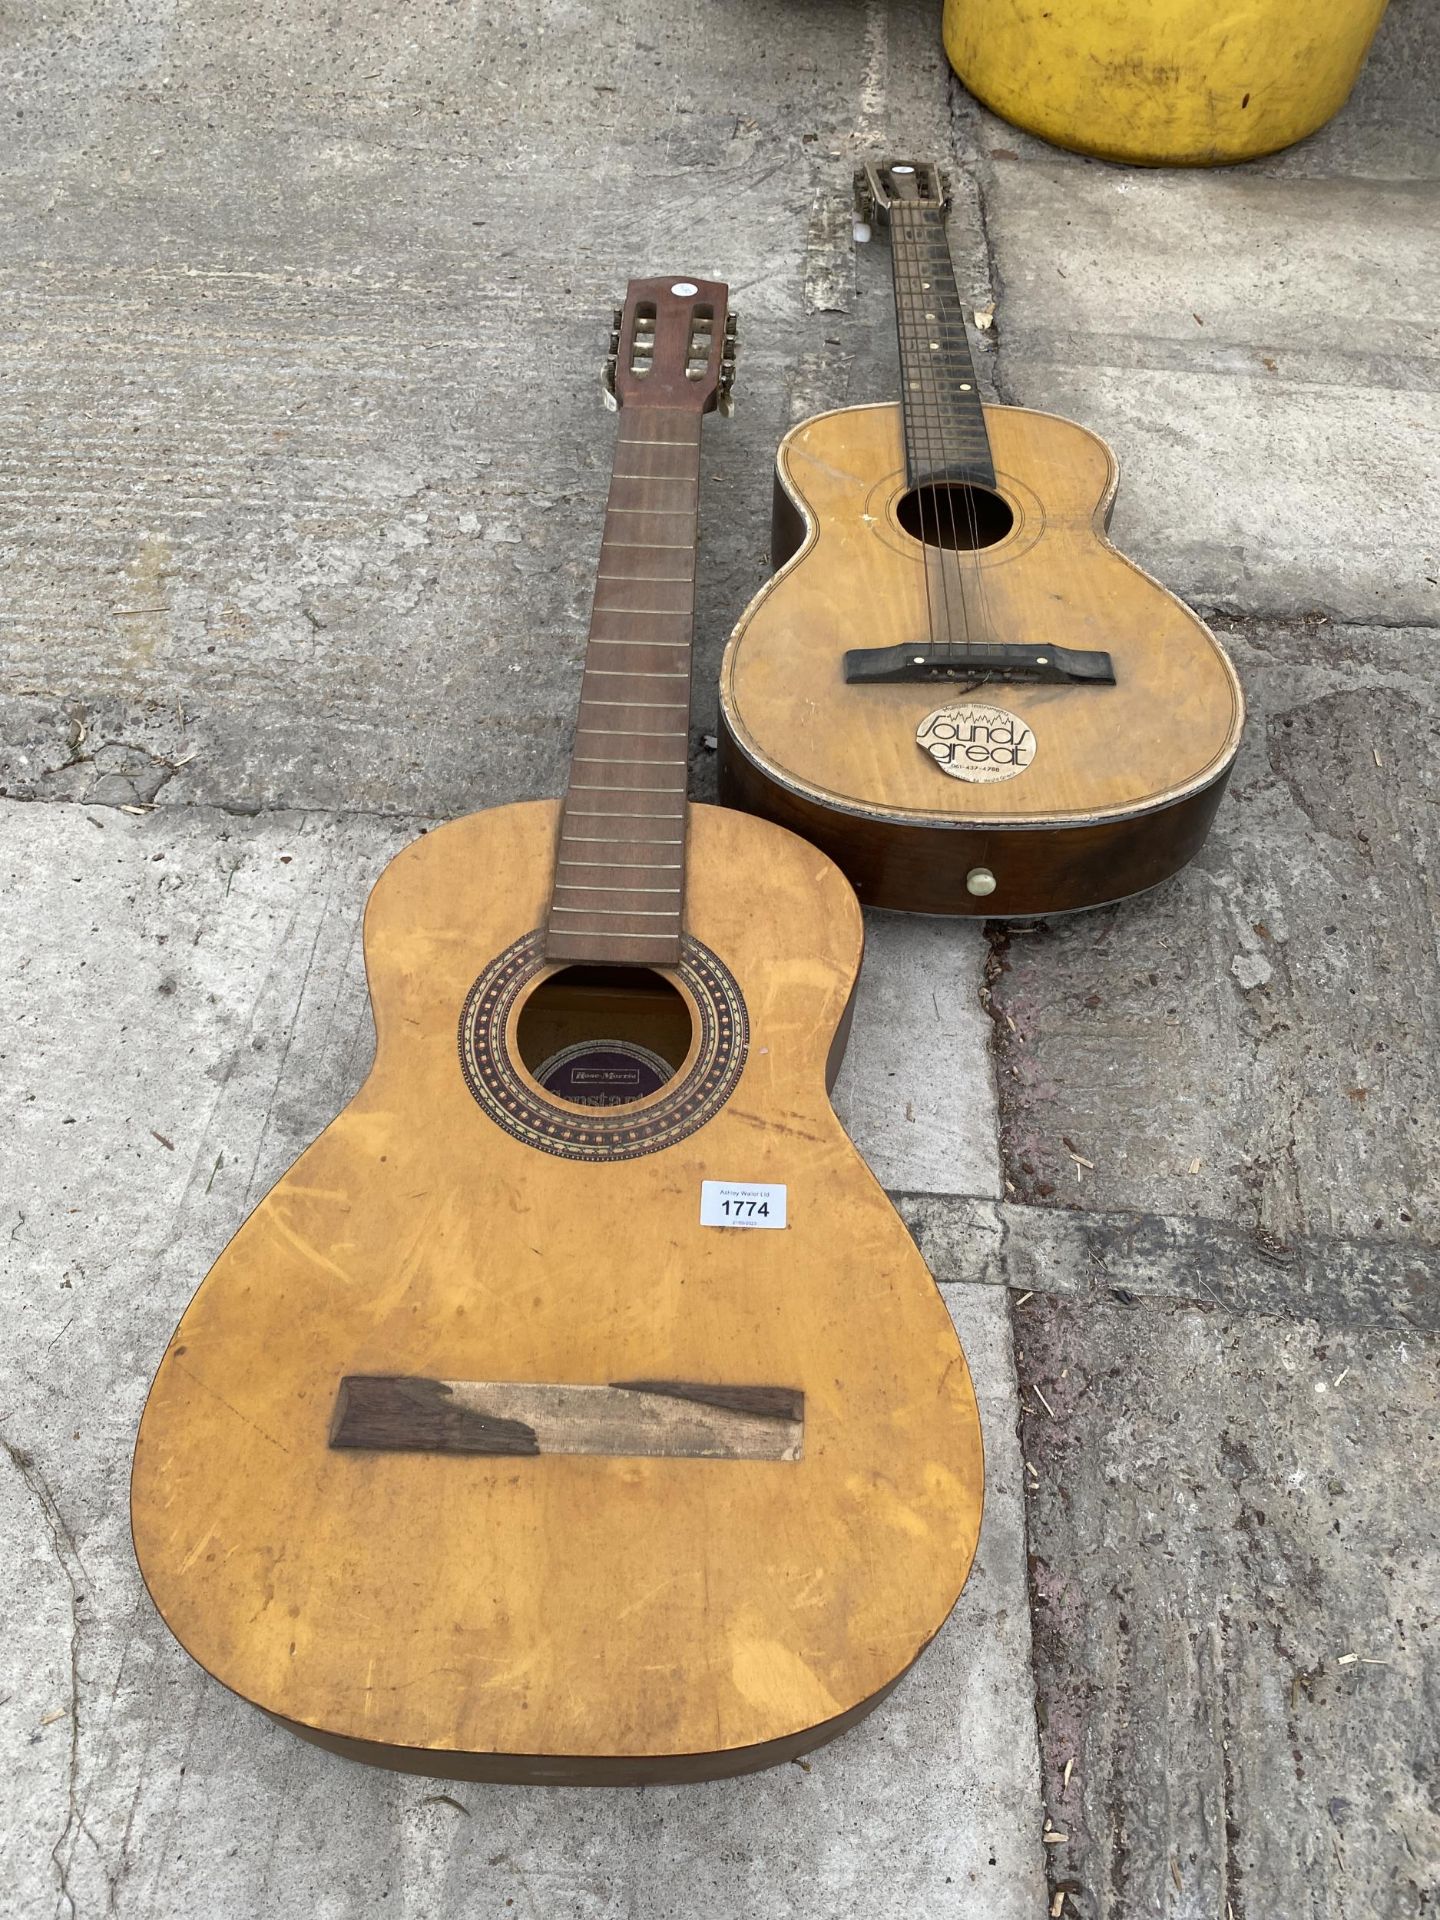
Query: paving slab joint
{"type": "Point", "coordinates": [66, 1554]}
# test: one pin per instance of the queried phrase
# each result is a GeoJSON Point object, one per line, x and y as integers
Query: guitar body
{"type": "Point", "coordinates": [443, 1596]}
{"type": "Point", "coordinates": [1125, 777]}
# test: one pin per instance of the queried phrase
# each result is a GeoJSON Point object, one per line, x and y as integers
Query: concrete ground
{"type": "Point", "coordinates": [304, 469]}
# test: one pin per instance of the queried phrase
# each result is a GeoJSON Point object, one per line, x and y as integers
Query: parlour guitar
{"type": "Point", "coordinates": [577, 1408]}
{"type": "Point", "coordinates": [955, 685]}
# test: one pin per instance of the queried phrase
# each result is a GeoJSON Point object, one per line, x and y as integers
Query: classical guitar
{"type": "Point", "coordinates": [955, 685]}
{"type": "Point", "coordinates": [577, 1408]}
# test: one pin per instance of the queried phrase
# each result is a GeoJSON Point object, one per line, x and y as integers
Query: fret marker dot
{"type": "Point", "coordinates": [965, 386]}
{"type": "Point", "coordinates": [684, 288]}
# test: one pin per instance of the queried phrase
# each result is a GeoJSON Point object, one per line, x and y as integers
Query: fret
{"type": "Point", "coordinates": [619, 913]}
{"type": "Point", "coordinates": [670, 613]}
{"type": "Point", "coordinates": [622, 835]}
{"type": "Point", "coordinates": [597, 934]}
{"type": "Point", "coordinates": [945, 433]}
{"type": "Point", "coordinates": [608, 813]}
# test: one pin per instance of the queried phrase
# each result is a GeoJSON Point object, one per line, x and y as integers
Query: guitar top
{"type": "Point", "coordinates": [955, 685]}
{"type": "Point", "coordinates": [578, 1409]}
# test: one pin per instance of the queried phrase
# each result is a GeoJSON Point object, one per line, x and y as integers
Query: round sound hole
{"type": "Point", "coordinates": [961, 518]}
{"type": "Point", "coordinates": [604, 1036]}
{"type": "Point", "coordinates": [602, 1063]}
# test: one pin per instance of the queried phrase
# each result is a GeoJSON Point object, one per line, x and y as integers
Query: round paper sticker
{"type": "Point", "coordinates": [978, 743]}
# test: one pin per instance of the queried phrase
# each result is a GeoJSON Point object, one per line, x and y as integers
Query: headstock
{"type": "Point", "coordinates": [673, 345]}
{"type": "Point", "coordinates": [881, 185]}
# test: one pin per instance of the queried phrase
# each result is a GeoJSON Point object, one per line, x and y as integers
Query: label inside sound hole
{"type": "Point", "coordinates": [604, 1073]}
{"type": "Point", "coordinates": [972, 742]}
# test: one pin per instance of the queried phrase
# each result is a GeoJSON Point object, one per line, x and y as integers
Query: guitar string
{"type": "Point", "coordinates": [624, 438]}
{"type": "Point", "coordinates": [942, 272]}
{"type": "Point", "coordinates": [929, 440]}
{"type": "Point", "coordinates": [946, 263]}
{"type": "Point", "coordinates": [940, 267]}
{"type": "Point", "coordinates": [928, 255]}
{"type": "Point", "coordinates": [909, 409]}
{"type": "Point", "coordinates": [940, 285]}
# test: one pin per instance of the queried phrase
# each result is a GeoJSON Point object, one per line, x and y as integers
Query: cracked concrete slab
{"type": "Point", "coordinates": [1252, 1041]}
{"type": "Point", "coordinates": [192, 1010]}
{"type": "Point", "coordinates": [916, 1091]}
{"type": "Point", "coordinates": [1234, 1613]}
{"type": "Point", "coordinates": [336, 447]}
{"type": "Point", "coordinates": [1122, 1255]}
{"type": "Point", "coordinates": [1258, 344]}
{"type": "Point", "coordinates": [303, 475]}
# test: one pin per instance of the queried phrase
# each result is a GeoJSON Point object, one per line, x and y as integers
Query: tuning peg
{"type": "Point", "coordinates": [617, 314]}
{"type": "Point", "coordinates": [732, 326]}
{"type": "Point", "coordinates": [607, 385]}
{"type": "Point", "coordinates": [615, 343]}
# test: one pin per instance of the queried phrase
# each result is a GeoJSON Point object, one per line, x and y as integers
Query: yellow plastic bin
{"type": "Point", "coordinates": [1190, 83]}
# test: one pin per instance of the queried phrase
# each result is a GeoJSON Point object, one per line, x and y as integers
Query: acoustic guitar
{"type": "Point", "coordinates": [955, 685]}
{"type": "Point", "coordinates": [577, 1408]}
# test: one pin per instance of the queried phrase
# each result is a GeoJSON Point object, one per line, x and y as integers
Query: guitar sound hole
{"type": "Point", "coordinates": [961, 518]}
{"type": "Point", "coordinates": [604, 1036]}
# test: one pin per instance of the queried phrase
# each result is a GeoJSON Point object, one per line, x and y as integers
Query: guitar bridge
{"type": "Point", "coordinates": [668, 1419]}
{"type": "Point", "coordinates": [1059, 666]}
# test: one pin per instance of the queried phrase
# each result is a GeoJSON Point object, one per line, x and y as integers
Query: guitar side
{"type": "Point", "coordinates": [567, 1617]}
{"type": "Point", "coordinates": [1125, 779]}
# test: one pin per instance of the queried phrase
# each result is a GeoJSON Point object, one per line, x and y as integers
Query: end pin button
{"type": "Point", "coordinates": [980, 881]}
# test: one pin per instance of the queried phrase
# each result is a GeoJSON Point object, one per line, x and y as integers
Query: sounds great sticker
{"type": "Point", "coordinates": [977, 743]}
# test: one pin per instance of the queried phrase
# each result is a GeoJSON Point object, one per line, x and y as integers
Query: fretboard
{"type": "Point", "coordinates": [945, 437]}
{"type": "Point", "coordinates": [619, 881]}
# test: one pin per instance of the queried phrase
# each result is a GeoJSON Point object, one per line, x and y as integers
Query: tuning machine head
{"type": "Point", "coordinates": [608, 377]}
{"type": "Point", "coordinates": [725, 397]}
{"type": "Point", "coordinates": [881, 185]}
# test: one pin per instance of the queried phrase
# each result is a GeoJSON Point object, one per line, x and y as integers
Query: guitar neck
{"type": "Point", "coordinates": [945, 434]}
{"type": "Point", "coordinates": [620, 874]}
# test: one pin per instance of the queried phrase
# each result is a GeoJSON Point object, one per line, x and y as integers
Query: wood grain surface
{"type": "Point", "coordinates": [798, 741]}
{"type": "Point", "coordinates": [566, 1616]}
